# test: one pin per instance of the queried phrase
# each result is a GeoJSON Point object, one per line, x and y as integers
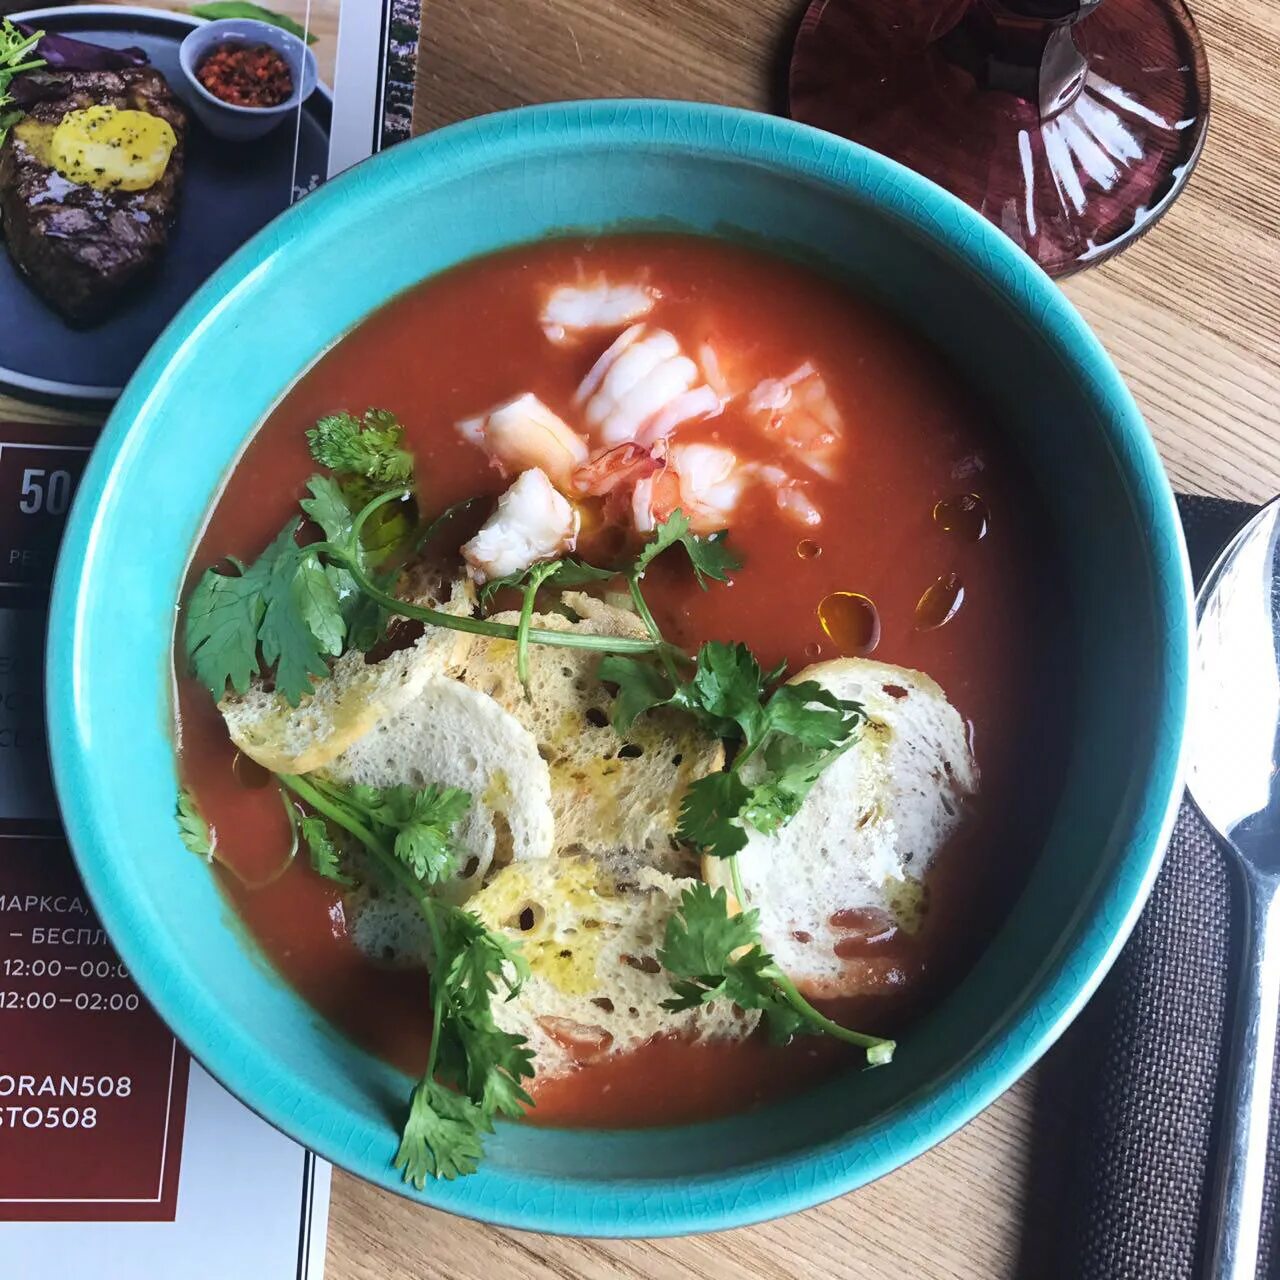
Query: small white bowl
{"type": "Point", "coordinates": [242, 124]}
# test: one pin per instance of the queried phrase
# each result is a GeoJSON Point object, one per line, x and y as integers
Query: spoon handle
{"type": "Point", "coordinates": [1236, 1210]}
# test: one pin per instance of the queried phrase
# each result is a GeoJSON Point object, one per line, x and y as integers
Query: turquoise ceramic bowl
{"type": "Point", "coordinates": [306, 280]}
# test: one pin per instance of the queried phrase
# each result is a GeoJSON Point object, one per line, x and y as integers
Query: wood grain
{"type": "Point", "coordinates": [1192, 316]}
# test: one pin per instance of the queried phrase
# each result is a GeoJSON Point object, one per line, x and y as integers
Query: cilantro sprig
{"type": "Point", "coordinates": [714, 954]}
{"type": "Point", "coordinates": [783, 736]}
{"type": "Point", "coordinates": [475, 1070]}
{"type": "Point", "coordinates": [371, 447]}
{"type": "Point", "coordinates": [16, 50]}
{"type": "Point", "coordinates": [783, 740]}
{"type": "Point", "coordinates": [711, 558]}
{"type": "Point", "coordinates": [567, 572]}
{"type": "Point", "coordinates": [299, 605]}
{"type": "Point", "coordinates": [193, 829]}
{"type": "Point", "coordinates": [198, 836]}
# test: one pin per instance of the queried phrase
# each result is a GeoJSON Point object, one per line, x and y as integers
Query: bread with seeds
{"type": "Point", "coordinates": [849, 868]}
{"type": "Point", "coordinates": [358, 693]}
{"type": "Point", "coordinates": [612, 796]}
{"type": "Point", "coordinates": [591, 937]}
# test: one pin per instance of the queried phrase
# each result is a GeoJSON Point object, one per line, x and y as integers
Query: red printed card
{"type": "Point", "coordinates": [93, 1086]}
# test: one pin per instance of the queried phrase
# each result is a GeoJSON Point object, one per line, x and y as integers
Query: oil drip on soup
{"type": "Point", "coordinates": [661, 689]}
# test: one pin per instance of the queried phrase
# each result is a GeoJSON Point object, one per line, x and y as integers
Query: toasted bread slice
{"type": "Point", "coordinates": [855, 855]}
{"type": "Point", "coordinates": [452, 736]}
{"type": "Point", "coordinates": [357, 694]}
{"type": "Point", "coordinates": [591, 939]}
{"type": "Point", "coordinates": [612, 797]}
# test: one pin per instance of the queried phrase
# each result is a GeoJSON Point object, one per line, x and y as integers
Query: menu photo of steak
{"type": "Point", "coordinates": [141, 145]}
{"type": "Point", "coordinates": [87, 216]}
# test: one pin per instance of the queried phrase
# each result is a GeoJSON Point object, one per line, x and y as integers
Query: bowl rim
{"type": "Point", "coordinates": [632, 1207]}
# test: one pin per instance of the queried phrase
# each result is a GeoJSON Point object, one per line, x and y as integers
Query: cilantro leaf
{"type": "Point", "coordinates": [192, 827]}
{"type": "Point", "coordinates": [442, 1136]}
{"type": "Point", "coordinates": [223, 615]}
{"type": "Point", "coordinates": [370, 447]}
{"type": "Point", "coordinates": [284, 604]}
{"type": "Point", "coordinates": [812, 715]}
{"type": "Point", "coordinates": [334, 507]}
{"type": "Point", "coordinates": [714, 955]}
{"type": "Point", "coordinates": [488, 1063]}
{"type": "Point", "coordinates": [710, 814]}
{"type": "Point", "coordinates": [727, 688]}
{"type": "Point", "coordinates": [416, 823]}
{"type": "Point", "coordinates": [326, 861]}
{"type": "Point", "coordinates": [641, 686]}
{"type": "Point", "coordinates": [711, 557]}
{"type": "Point", "coordinates": [329, 508]}
{"type": "Point", "coordinates": [476, 962]}
{"type": "Point", "coordinates": [702, 935]}
{"type": "Point", "coordinates": [293, 603]}
{"type": "Point", "coordinates": [424, 842]}
{"type": "Point", "coordinates": [790, 769]}
{"type": "Point", "coordinates": [318, 605]}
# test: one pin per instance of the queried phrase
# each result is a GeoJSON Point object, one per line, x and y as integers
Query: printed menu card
{"type": "Point", "coordinates": [120, 1158]}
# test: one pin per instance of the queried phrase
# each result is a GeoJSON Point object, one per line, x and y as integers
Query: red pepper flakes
{"type": "Point", "coordinates": [246, 75]}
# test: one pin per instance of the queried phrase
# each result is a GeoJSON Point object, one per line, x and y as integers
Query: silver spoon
{"type": "Point", "coordinates": [1233, 778]}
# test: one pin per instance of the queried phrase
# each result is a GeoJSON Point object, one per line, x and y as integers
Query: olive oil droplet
{"type": "Point", "coordinates": [813, 651]}
{"type": "Point", "coordinates": [940, 603]}
{"type": "Point", "coordinates": [966, 515]}
{"type": "Point", "coordinates": [852, 621]}
{"type": "Point", "coordinates": [807, 549]}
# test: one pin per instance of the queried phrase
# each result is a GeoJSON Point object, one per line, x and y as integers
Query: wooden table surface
{"type": "Point", "coordinates": [1191, 315]}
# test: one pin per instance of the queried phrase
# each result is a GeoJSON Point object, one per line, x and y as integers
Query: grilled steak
{"type": "Point", "coordinates": [81, 247]}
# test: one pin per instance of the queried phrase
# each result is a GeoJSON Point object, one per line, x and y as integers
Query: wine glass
{"type": "Point", "coordinates": [1071, 124]}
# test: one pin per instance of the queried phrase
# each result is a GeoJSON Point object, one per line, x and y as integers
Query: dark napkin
{"type": "Point", "coordinates": [1127, 1103]}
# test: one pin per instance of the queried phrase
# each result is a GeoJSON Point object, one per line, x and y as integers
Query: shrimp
{"type": "Point", "coordinates": [789, 493]}
{"type": "Point", "coordinates": [532, 522]}
{"type": "Point", "coordinates": [612, 469]}
{"type": "Point", "coordinates": [798, 411]}
{"type": "Point", "coordinates": [521, 433]}
{"type": "Point", "coordinates": [642, 388]}
{"type": "Point", "coordinates": [713, 372]}
{"type": "Point", "coordinates": [570, 311]}
{"type": "Point", "coordinates": [705, 481]}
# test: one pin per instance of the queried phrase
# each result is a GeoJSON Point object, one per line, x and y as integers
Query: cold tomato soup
{"type": "Point", "coordinates": [930, 551]}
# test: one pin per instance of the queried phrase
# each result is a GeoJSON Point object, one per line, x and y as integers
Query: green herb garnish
{"type": "Point", "coordinates": [714, 955]}
{"type": "Point", "coordinates": [475, 1069]}
{"type": "Point", "coordinates": [789, 737]}
{"type": "Point", "coordinates": [298, 605]}
{"type": "Point", "coordinates": [284, 604]}
{"type": "Point", "coordinates": [15, 58]}
{"type": "Point", "coordinates": [370, 447]}
{"type": "Point", "coordinates": [326, 858]}
{"type": "Point", "coordinates": [192, 827]}
{"type": "Point", "coordinates": [711, 556]}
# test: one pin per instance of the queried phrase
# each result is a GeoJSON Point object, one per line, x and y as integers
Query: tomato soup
{"type": "Point", "coordinates": [929, 551]}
